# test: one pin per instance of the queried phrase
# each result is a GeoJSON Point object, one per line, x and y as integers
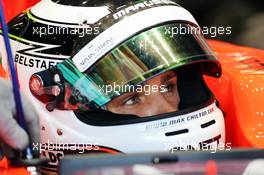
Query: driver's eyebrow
{"type": "Point", "coordinates": [168, 77]}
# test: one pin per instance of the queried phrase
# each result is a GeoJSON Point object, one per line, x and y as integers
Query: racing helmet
{"type": "Point", "coordinates": [66, 51]}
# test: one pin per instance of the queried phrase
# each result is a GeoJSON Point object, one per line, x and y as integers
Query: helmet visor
{"type": "Point", "coordinates": [137, 60]}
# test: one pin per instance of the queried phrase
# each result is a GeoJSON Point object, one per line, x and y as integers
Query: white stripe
{"type": "Point", "coordinates": [49, 10]}
{"type": "Point", "coordinates": [124, 29]}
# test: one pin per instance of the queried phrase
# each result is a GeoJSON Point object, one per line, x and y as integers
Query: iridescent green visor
{"type": "Point", "coordinates": [136, 60]}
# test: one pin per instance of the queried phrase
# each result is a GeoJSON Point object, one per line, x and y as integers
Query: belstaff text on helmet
{"type": "Point", "coordinates": [140, 6]}
{"type": "Point", "coordinates": [29, 61]}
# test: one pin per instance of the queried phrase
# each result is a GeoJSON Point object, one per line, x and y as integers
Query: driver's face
{"type": "Point", "coordinates": [143, 104]}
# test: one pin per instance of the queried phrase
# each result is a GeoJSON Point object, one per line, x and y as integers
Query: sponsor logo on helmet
{"type": "Point", "coordinates": [183, 119]}
{"type": "Point", "coordinates": [36, 55]}
{"type": "Point", "coordinates": [94, 50]}
{"type": "Point", "coordinates": [40, 63]}
{"type": "Point", "coordinates": [140, 6]}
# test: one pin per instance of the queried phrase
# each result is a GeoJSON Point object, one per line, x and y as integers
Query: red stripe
{"type": "Point", "coordinates": [108, 150]}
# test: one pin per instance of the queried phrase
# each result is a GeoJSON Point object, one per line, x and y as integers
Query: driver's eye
{"type": "Point", "coordinates": [135, 99]}
{"type": "Point", "coordinates": [169, 88]}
